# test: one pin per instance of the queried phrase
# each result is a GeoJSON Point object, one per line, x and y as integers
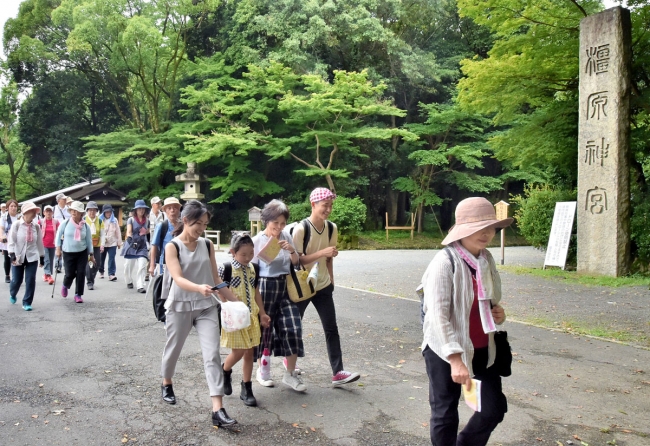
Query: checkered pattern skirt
{"type": "Point", "coordinates": [286, 339]}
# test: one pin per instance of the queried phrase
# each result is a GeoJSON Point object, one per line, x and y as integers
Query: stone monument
{"type": "Point", "coordinates": [604, 143]}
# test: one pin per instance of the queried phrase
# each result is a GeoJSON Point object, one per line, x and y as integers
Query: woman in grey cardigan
{"type": "Point", "coordinates": [462, 290]}
{"type": "Point", "coordinates": [191, 263]}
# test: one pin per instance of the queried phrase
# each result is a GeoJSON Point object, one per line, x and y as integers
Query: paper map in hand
{"type": "Point", "coordinates": [270, 251]}
{"type": "Point", "coordinates": [473, 397]}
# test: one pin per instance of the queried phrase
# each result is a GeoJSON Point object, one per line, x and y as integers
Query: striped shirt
{"type": "Point", "coordinates": [448, 298]}
{"type": "Point", "coordinates": [17, 241]}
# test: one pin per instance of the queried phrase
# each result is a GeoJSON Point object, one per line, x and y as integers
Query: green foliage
{"type": "Point", "coordinates": [270, 113]}
{"type": "Point", "coordinates": [13, 153]}
{"type": "Point", "coordinates": [299, 211]}
{"type": "Point", "coordinates": [639, 229]}
{"type": "Point", "coordinates": [451, 150]}
{"type": "Point", "coordinates": [349, 214]}
{"type": "Point", "coordinates": [534, 213]}
{"type": "Point", "coordinates": [529, 82]}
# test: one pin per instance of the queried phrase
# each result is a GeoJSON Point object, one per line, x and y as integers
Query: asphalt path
{"type": "Point", "coordinates": [88, 374]}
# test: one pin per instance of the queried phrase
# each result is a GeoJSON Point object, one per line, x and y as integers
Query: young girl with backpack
{"type": "Point", "coordinates": [242, 276]}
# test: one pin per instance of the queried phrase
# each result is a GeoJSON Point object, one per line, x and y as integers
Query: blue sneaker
{"type": "Point", "coordinates": [27, 307]}
{"type": "Point", "coordinates": [12, 300]}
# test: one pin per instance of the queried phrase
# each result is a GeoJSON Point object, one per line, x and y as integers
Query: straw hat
{"type": "Point", "coordinates": [171, 201]}
{"type": "Point", "coordinates": [473, 215]}
{"type": "Point", "coordinates": [29, 206]}
{"type": "Point", "coordinates": [77, 206]}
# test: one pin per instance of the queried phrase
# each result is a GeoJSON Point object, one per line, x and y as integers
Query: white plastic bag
{"type": "Point", "coordinates": [235, 316]}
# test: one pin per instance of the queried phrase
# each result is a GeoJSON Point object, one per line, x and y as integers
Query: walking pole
{"type": "Point", "coordinates": [56, 271]}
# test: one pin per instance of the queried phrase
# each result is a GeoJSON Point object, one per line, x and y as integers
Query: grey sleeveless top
{"type": "Point", "coordinates": [197, 268]}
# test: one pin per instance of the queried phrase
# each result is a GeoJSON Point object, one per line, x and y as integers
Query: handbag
{"type": "Point", "coordinates": [235, 316]}
{"type": "Point", "coordinates": [299, 287]}
{"type": "Point", "coordinates": [503, 359]}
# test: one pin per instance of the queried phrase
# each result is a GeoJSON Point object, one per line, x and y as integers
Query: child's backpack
{"type": "Point", "coordinates": [227, 273]}
{"type": "Point", "coordinates": [420, 289]}
{"type": "Point", "coordinates": [307, 230]}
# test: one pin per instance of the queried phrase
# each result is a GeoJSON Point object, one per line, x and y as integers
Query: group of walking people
{"type": "Point", "coordinates": [461, 293]}
{"type": "Point", "coordinates": [276, 321]}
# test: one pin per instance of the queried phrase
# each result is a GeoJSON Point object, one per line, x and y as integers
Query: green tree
{"type": "Point", "coordinates": [331, 118]}
{"type": "Point", "coordinates": [275, 113]}
{"type": "Point", "coordinates": [451, 151]}
{"type": "Point", "coordinates": [13, 153]}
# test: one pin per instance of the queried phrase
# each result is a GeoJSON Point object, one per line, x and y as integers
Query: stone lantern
{"type": "Point", "coordinates": [192, 182]}
{"type": "Point", "coordinates": [255, 217]}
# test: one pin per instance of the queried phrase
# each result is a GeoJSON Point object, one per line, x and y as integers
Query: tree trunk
{"type": "Point", "coordinates": [330, 183]}
{"type": "Point", "coordinates": [420, 218]}
{"type": "Point", "coordinates": [401, 208]}
{"type": "Point", "coordinates": [391, 206]}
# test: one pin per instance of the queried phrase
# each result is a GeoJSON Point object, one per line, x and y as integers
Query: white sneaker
{"type": "Point", "coordinates": [294, 381]}
{"type": "Point", "coordinates": [268, 382]}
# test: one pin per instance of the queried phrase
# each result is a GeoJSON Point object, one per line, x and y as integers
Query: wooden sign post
{"type": "Point", "coordinates": [254, 216]}
{"type": "Point", "coordinates": [502, 213]}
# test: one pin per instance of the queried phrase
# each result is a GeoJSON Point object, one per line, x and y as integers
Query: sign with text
{"type": "Point", "coordinates": [558, 241]}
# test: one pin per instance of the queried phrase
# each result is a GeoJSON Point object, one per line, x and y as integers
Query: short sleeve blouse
{"type": "Point", "coordinates": [280, 265]}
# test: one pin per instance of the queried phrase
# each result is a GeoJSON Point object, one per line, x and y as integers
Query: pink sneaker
{"type": "Point", "coordinates": [79, 300]}
{"type": "Point", "coordinates": [344, 377]}
{"type": "Point", "coordinates": [64, 291]}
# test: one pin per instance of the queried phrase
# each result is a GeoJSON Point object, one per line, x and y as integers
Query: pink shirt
{"type": "Point", "coordinates": [49, 232]}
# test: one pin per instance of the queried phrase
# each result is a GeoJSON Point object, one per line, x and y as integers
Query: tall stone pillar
{"type": "Point", "coordinates": [604, 143]}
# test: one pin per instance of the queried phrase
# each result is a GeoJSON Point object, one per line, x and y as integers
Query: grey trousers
{"type": "Point", "coordinates": [178, 327]}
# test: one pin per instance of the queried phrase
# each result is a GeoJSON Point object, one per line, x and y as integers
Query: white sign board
{"type": "Point", "coordinates": [558, 242]}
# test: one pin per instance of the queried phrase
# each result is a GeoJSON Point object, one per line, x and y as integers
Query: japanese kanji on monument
{"type": "Point", "coordinates": [603, 143]}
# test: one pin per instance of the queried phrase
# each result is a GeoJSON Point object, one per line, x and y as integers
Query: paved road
{"type": "Point", "coordinates": [87, 374]}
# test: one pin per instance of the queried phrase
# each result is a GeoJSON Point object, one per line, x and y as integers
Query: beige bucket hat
{"type": "Point", "coordinates": [29, 206]}
{"type": "Point", "coordinates": [171, 201]}
{"type": "Point", "coordinates": [473, 215]}
{"type": "Point", "coordinates": [77, 206]}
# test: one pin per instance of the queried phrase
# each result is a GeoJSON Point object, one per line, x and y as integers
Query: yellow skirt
{"type": "Point", "coordinates": [244, 339]}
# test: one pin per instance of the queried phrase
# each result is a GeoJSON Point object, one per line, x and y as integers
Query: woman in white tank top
{"type": "Point", "coordinates": [191, 263]}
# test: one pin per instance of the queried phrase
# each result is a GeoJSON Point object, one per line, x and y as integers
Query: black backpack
{"type": "Point", "coordinates": [158, 302]}
{"type": "Point", "coordinates": [307, 230]}
{"type": "Point", "coordinates": [227, 273]}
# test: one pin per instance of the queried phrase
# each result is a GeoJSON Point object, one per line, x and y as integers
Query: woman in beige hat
{"type": "Point", "coordinates": [75, 240]}
{"type": "Point", "coordinates": [462, 290]}
{"type": "Point", "coordinates": [25, 246]}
